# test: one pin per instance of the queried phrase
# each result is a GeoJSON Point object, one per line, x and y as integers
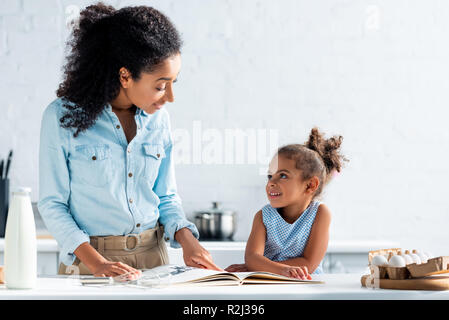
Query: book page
{"type": "Point", "coordinates": [173, 274]}
{"type": "Point", "coordinates": [264, 276]}
{"type": "Point", "coordinates": [167, 275]}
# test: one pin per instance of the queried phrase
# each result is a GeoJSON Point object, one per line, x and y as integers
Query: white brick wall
{"type": "Point", "coordinates": [374, 71]}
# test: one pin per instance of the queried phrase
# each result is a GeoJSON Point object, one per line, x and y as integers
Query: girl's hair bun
{"type": "Point", "coordinates": [328, 149]}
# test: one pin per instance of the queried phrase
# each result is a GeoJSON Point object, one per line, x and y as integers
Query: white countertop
{"type": "Point", "coordinates": [336, 287]}
{"type": "Point", "coordinates": [335, 246]}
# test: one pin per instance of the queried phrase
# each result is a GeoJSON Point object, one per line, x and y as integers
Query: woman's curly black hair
{"type": "Point", "coordinates": [103, 41]}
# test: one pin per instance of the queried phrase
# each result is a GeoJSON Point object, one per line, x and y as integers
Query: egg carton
{"type": "Point", "coordinates": [386, 272]}
{"type": "Point", "coordinates": [386, 252]}
{"type": "Point", "coordinates": [433, 266]}
{"type": "Point", "coordinates": [393, 273]}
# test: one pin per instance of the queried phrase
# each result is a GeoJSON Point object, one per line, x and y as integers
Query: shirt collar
{"type": "Point", "coordinates": [142, 112]}
{"type": "Point", "coordinates": [138, 111]}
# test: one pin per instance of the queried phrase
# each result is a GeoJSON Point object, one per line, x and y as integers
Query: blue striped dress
{"type": "Point", "coordinates": [285, 240]}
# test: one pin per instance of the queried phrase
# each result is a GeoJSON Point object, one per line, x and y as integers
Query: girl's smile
{"type": "Point", "coordinates": [274, 195]}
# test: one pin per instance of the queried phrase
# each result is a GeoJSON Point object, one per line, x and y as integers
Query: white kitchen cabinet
{"type": "Point", "coordinates": [345, 262]}
{"type": "Point", "coordinates": [223, 253]}
{"type": "Point", "coordinates": [47, 256]}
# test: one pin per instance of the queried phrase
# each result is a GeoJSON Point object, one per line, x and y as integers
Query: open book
{"type": "Point", "coordinates": [173, 275]}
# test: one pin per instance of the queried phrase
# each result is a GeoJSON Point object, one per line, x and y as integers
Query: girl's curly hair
{"type": "Point", "coordinates": [318, 157]}
{"type": "Point", "coordinates": [103, 41]}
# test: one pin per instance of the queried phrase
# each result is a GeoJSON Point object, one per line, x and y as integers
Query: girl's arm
{"type": "Point", "coordinates": [317, 243]}
{"type": "Point", "coordinates": [256, 261]}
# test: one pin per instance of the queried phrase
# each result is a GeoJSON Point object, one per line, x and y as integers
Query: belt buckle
{"type": "Point", "coordinates": [137, 241]}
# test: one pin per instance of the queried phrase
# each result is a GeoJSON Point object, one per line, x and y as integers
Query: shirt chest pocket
{"type": "Point", "coordinates": [153, 155]}
{"type": "Point", "coordinates": [92, 165]}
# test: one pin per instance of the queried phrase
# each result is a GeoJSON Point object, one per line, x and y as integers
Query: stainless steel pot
{"type": "Point", "coordinates": [216, 223]}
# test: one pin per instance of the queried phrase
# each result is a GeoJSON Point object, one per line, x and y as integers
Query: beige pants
{"type": "Point", "coordinates": [140, 251]}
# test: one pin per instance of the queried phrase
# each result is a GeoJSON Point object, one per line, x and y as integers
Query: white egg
{"type": "Point", "coordinates": [379, 260]}
{"type": "Point", "coordinates": [407, 258]}
{"type": "Point", "coordinates": [422, 256]}
{"type": "Point", "coordinates": [415, 258]}
{"type": "Point", "coordinates": [429, 255]}
{"type": "Point", "coordinates": [396, 261]}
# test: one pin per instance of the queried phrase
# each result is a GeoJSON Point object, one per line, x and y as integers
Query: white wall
{"type": "Point", "coordinates": [374, 71]}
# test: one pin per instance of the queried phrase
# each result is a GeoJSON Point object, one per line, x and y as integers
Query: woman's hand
{"type": "Point", "coordinates": [237, 268]}
{"type": "Point", "coordinates": [101, 267]}
{"type": "Point", "coordinates": [296, 272]}
{"type": "Point", "coordinates": [114, 269]}
{"type": "Point", "coordinates": [194, 254]}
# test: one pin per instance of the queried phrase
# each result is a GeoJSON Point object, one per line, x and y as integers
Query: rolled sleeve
{"type": "Point", "coordinates": [72, 242]}
{"type": "Point", "coordinates": [54, 186]}
{"type": "Point", "coordinates": [171, 213]}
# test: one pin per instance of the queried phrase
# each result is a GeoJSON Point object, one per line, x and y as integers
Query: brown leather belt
{"type": "Point", "coordinates": [130, 242]}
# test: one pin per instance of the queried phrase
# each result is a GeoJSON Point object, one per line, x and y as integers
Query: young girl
{"type": "Point", "coordinates": [290, 234]}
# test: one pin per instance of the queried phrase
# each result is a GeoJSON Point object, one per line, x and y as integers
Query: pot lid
{"type": "Point", "coordinates": [216, 210]}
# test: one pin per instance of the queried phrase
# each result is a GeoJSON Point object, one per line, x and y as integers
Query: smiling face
{"type": "Point", "coordinates": [152, 90]}
{"type": "Point", "coordinates": [285, 185]}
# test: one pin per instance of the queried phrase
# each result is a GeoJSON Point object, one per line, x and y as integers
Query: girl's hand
{"type": "Point", "coordinates": [113, 269]}
{"type": "Point", "coordinates": [237, 268]}
{"type": "Point", "coordinates": [296, 272]}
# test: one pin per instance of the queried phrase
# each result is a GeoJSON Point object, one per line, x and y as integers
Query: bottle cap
{"type": "Point", "coordinates": [22, 190]}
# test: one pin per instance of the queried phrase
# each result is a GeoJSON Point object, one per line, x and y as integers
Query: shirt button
{"type": "Point", "coordinates": [94, 158]}
{"type": "Point", "coordinates": [129, 150]}
{"type": "Point", "coordinates": [130, 200]}
{"type": "Point", "coordinates": [138, 225]}
{"type": "Point", "coordinates": [130, 174]}
{"type": "Point", "coordinates": [158, 155]}
{"type": "Point", "coordinates": [118, 127]}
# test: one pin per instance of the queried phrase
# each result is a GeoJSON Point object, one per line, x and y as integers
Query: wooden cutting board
{"type": "Point", "coordinates": [426, 283]}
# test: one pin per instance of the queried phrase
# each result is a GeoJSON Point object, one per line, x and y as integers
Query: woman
{"type": "Point", "coordinates": [105, 164]}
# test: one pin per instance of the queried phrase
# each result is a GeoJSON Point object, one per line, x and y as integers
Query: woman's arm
{"type": "Point", "coordinates": [317, 242]}
{"type": "Point", "coordinates": [171, 212]}
{"type": "Point", "coordinates": [179, 230]}
{"type": "Point", "coordinates": [194, 254]}
{"type": "Point", "coordinates": [100, 266]}
{"type": "Point", "coordinates": [54, 185]}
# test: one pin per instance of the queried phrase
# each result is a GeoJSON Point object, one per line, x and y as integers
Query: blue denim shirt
{"type": "Point", "coordinates": [98, 185]}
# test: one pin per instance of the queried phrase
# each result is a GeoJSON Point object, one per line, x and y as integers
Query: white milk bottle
{"type": "Point", "coordinates": [20, 242]}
